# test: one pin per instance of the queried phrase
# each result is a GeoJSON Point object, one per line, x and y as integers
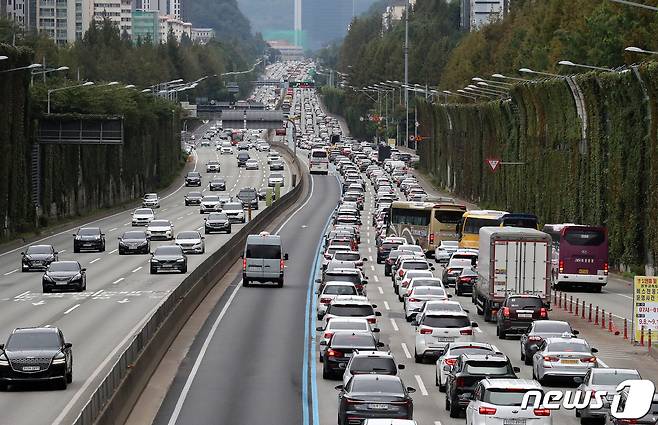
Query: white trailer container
{"type": "Point", "coordinates": [512, 260]}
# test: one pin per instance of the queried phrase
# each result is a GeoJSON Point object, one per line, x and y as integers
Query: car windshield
{"type": "Point", "coordinates": [134, 235]}
{"type": "Point", "coordinates": [415, 265]}
{"type": "Point", "coordinates": [88, 232]}
{"type": "Point", "coordinates": [429, 291]}
{"type": "Point", "coordinates": [143, 211]}
{"type": "Point", "coordinates": [210, 199]}
{"type": "Point", "coordinates": [377, 386]}
{"type": "Point", "coordinates": [426, 282]}
{"type": "Point", "coordinates": [568, 347]}
{"type": "Point", "coordinates": [194, 195]}
{"type": "Point", "coordinates": [342, 277]}
{"type": "Point", "coordinates": [446, 321]}
{"type": "Point", "coordinates": [525, 302]}
{"type": "Point", "coordinates": [472, 224]}
{"type": "Point", "coordinates": [339, 290]}
{"type": "Point", "coordinates": [168, 250]}
{"type": "Point", "coordinates": [217, 216]}
{"type": "Point", "coordinates": [443, 307]}
{"type": "Point", "coordinates": [457, 351]}
{"type": "Point", "coordinates": [25, 341]}
{"type": "Point", "coordinates": [264, 251]}
{"type": "Point", "coordinates": [488, 368]}
{"type": "Point", "coordinates": [379, 365]}
{"type": "Point", "coordinates": [352, 326]}
{"type": "Point", "coordinates": [612, 378]}
{"type": "Point", "coordinates": [156, 223]}
{"type": "Point", "coordinates": [193, 174]}
{"type": "Point", "coordinates": [347, 310]}
{"type": "Point", "coordinates": [64, 266]}
{"type": "Point", "coordinates": [506, 396]}
{"type": "Point", "coordinates": [545, 326]}
{"type": "Point", "coordinates": [150, 196]}
{"type": "Point", "coordinates": [346, 339]}
{"type": "Point", "coordinates": [40, 249]}
{"type": "Point", "coordinates": [347, 256]}
{"type": "Point", "coordinates": [232, 207]}
{"type": "Point", "coordinates": [188, 235]}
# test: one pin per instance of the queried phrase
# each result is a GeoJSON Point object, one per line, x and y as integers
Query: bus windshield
{"type": "Point", "coordinates": [410, 216]}
{"type": "Point", "coordinates": [472, 225]}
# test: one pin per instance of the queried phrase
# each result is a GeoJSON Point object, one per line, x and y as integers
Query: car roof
{"type": "Point", "coordinates": [566, 339]}
{"type": "Point", "coordinates": [343, 271]}
{"type": "Point", "coordinates": [347, 319]}
{"type": "Point", "coordinates": [493, 356]}
{"type": "Point", "coordinates": [337, 283]}
{"type": "Point", "coordinates": [445, 313]}
{"type": "Point", "coordinates": [36, 329]}
{"type": "Point", "coordinates": [613, 371]}
{"type": "Point", "coordinates": [376, 377]}
{"type": "Point", "coordinates": [506, 383]}
{"type": "Point", "coordinates": [368, 353]}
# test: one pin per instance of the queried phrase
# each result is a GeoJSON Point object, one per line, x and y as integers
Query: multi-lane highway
{"type": "Point", "coordinates": [120, 295]}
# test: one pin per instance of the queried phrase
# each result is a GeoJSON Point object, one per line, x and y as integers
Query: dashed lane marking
{"type": "Point", "coordinates": [137, 269]}
{"type": "Point", "coordinates": [421, 385]}
{"type": "Point", "coordinates": [381, 291]}
{"type": "Point", "coordinates": [406, 350]}
{"type": "Point", "coordinates": [10, 272]}
{"type": "Point", "coordinates": [386, 306]}
{"type": "Point", "coordinates": [395, 325]}
{"type": "Point", "coordinates": [71, 309]}
{"type": "Point", "coordinates": [112, 229]}
{"type": "Point", "coordinates": [94, 260]}
{"type": "Point", "coordinates": [113, 251]}
{"type": "Point", "coordinates": [118, 280]}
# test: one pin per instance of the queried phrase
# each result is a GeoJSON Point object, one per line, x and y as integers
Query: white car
{"type": "Point", "coordinates": [330, 291]}
{"type": "Point", "coordinates": [142, 216]}
{"type": "Point", "coordinates": [273, 156]}
{"type": "Point", "coordinates": [160, 229]}
{"type": "Point", "coordinates": [371, 362]}
{"type": "Point", "coordinates": [226, 150]}
{"type": "Point", "coordinates": [352, 306]}
{"type": "Point", "coordinates": [251, 164]}
{"type": "Point", "coordinates": [452, 352]}
{"type": "Point", "coordinates": [234, 211]}
{"type": "Point", "coordinates": [354, 324]}
{"type": "Point", "coordinates": [444, 251]}
{"type": "Point", "coordinates": [411, 275]}
{"type": "Point", "coordinates": [212, 167]}
{"type": "Point", "coordinates": [274, 179]}
{"type": "Point", "coordinates": [418, 263]}
{"type": "Point", "coordinates": [498, 402]}
{"type": "Point", "coordinates": [418, 296]}
{"type": "Point", "coordinates": [151, 200]}
{"type": "Point", "coordinates": [210, 203]}
{"type": "Point", "coordinates": [263, 147]}
{"type": "Point", "coordinates": [435, 330]}
{"type": "Point", "coordinates": [191, 241]}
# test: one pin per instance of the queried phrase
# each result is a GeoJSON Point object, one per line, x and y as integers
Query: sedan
{"type": "Point", "coordinates": [234, 211]}
{"type": "Point", "coordinates": [602, 379]}
{"type": "Point", "coordinates": [217, 222]}
{"type": "Point", "coordinates": [64, 275]}
{"type": "Point", "coordinates": [193, 198]}
{"type": "Point", "coordinates": [374, 396]}
{"type": "Point", "coordinates": [414, 303]}
{"type": "Point", "coordinates": [142, 216]}
{"type": "Point", "coordinates": [226, 150]}
{"type": "Point", "coordinates": [276, 166]}
{"type": "Point", "coordinates": [136, 241]}
{"type": "Point", "coordinates": [191, 241]}
{"type": "Point", "coordinates": [160, 229]}
{"type": "Point", "coordinates": [36, 355]}
{"type": "Point", "coordinates": [563, 358]}
{"type": "Point", "coordinates": [193, 178]}
{"type": "Point", "coordinates": [90, 238]}
{"type": "Point", "coordinates": [38, 257]}
{"type": "Point", "coordinates": [341, 347]}
{"type": "Point", "coordinates": [251, 164]}
{"type": "Point", "coordinates": [168, 258]}
{"type": "Point", "coordinates": [538, 331]}
{"type": "Point", "coordinates": [210, 203]}
{"type": "Point", "coordinates": [218, 183]}
{"type": "Point", "coordinates": [275, 179]}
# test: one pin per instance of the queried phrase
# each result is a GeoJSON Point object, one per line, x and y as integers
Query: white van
{"type": "Point", "coordinates": [262, 260]}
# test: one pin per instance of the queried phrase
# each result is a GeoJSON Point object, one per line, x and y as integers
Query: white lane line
{"type": "Point", "coordinates": [137, 269]}
{"type": "Point", "coordinates": [369, 249]}
{"type": "Point", "coordinates": [386, 306]}
{"type": "Point", "coordinates": [601, 362]}
{"type": "Point", "coordinates": [395, 325]}
{"type": "Point", "coordinates": [117, 281]}
{"type": "Point", "coordinates": [165, 209]}
{"type": "Point", "coordinates": [625, 296]}
{"type": "Point", "coordinates": [22, 295]}
{"type": "Point", "coordinates": [10, 272]}
{"type": "Point", "coordinates": [71, 309]}
{"type": "Point", "coordinates": [112, 229]}
{"type": "Point", "coordinates": [437, 422]}
{"type": "Point", "coordinates": [189, 213]}
{"type": "Point", "coordinates": [62, 250]}
{"type": "Point", "coordinates": [421, 385]}
{"type": "Point", "coordinates": [113, 251]}
{"type": "Point", "coordinates": [370, 258]}
{"type": "Point", "coordinates": [406, 350]}
{"type": "Point", "coordinates": [478, 330]}
{"type": "Point", "coordinates": [381, 291]}
{"type": "Point", "coordinates": [178, 218]}
{"type": "Point", "coordinates": [125, 224]}
{"type": "Point", "coordinates": [373, 268]}
{"type": "Point", "coordinates": [94, 260]}
{"type": "Point", "coordinates": [199, 228]}
{"type": "Point", "coordinates": [95, 294]}
{"type": "Point", "coordinates": [376, 278]}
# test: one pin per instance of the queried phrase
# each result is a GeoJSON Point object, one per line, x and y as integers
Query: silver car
{"type": "Point", "coordinates": [338, 324]}
{"type": "Point", "coordinates": [444, 251]}
{"type": "Point", "coordinates": [142, 216]}
{"type": "Point", "coordinates": [210, 204]}
{"type": "Point", "coordinates": [563, 357]}
{"type": "Point", "coordinates": [419, 295]}
{"type": "Point", "coordinates": [603, 379]}
{"type": "Point", "coordinates": [451, 353]}
{"type": "Point", "coordinates": [191, 241]}
{"type": "Point", "coordinates": [160, 229]}
{"type": "Point", "coordinates": [151, 200]}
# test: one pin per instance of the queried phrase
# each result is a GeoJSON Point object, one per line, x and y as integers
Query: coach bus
{"type": "Point", "coordinates": [471, 222]}
{"type": "Point", "coordinates": [528, 221]}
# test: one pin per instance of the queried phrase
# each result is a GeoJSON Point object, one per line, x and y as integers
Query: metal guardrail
{"type": "Point", "coordinates": [117, 393]}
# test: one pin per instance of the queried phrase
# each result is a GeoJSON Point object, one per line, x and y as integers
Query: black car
{"type": "Point", "coordinates": [243, 157]}
{"type": "Point", "coordinates": [36, 355]}
{"type": "Point", "coordinates": [64, 275]}
{"type": "Point", "coordinates": [374, 396]}
{"type": "Point", "coordinates": [243, 146]}
{"type": "Point", "coordinates": [89, 238]}
{"type": "Point", "coordinates": [248, 196]}
{"type": "Point", "coordinates": [465, 281]}
{"type": "Point", "coordinates": [193, 198]}
{"type": "Point", "coordinates": [538, 331]}
{"type": "Point", "coordinates": [38, 257]}
{"type": "Point", "coordinates": [517, 312]}
{"type": "Point", "coordinates": [341, 346]}
{"type": "Point", "coordinates": [193, 178]}
{"type": "Point", "coordinates": [384, 249]}
{"type": "Point", "coordinates": [276, 166]}
{"type": "Point", "coordinates": [168, 258]}
{"type": "Point", "coordinates": [217, 222]}
{"type": "Point", "coordinates": [463, 377]}
{"type": "Point", "coordinates": [134, 241]}
{"type": "Point", "coordinates": [218, 183]}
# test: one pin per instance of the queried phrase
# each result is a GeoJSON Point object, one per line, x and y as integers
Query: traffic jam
{"type": "Point", "coordinates": [428, 312]}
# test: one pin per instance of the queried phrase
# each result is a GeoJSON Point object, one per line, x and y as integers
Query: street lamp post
{"type": "Point", "coordinates": [505, 77]}
{"type": "Point", "coordinates": [634, 49]}
{"type": "Point", "coordinates": [548, 74]}
{"type": "Point", "coordinates": [50, 91]}
{"type": "Point", "coordinates": [580, 65]}
{"type": "Point", "coordinates": [31, 66]}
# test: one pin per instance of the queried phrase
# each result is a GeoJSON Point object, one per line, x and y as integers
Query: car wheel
{"type": "Point", "coordinates": [245, 282]}
{"type": "Point", "coordinates": [455, 411]}
{"type": "Point", "coordinates": [103, 247]}
{"type": "Point", "coordinates": [417, 358]}
{"type": "Point", "coordinates": [184, 269]}
{"type": "Point", "coordinates": [76, 249]}
{"type": "Point", "coordinates": [153, 270]}
{"type": "Point", "coordinates": [69, 376]}
{"type": "Point", "coordinates": [228, 231]}
{"type": "Point", "coordinates": [63, 383]}
{"type": "Point", "coordinates": [400, 298]}
{"type": "Point", "coordinates": [502, 334]}
{"type": "Point", "coordinates": [280, 283]}
{"type": "Point", "coordinates": [46, 290]}
{"type": "Point", "coordinates": [205, 232]}
{"type": "Point", "coordinates": [442, 388]}
{"type": "Point", "coordinates": [325, 373]}
{"type": "Point", "coordinates": [458, 292]}
{"type": "Point", "coordinates": [447, 404]}
{"type": "Point", "coordinates": [4, 386]}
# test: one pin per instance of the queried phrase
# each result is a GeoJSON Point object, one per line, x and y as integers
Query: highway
{"type": "Point", "coordinates": [120, 295]}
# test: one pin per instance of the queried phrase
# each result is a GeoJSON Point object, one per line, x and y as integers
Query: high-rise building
{"type": "Point", "coordinates": [65, 21]}
{"type": "Point", "coordinates": [15, 10]}
{"type": "Point", "coordinates": [202, 35]}
{"type": "Point", "coordinates": [118, 12]}
{"type": "Point", "coordinates": [176, 26]}
{"type": "Point", "coordinates": [482, 12]}
{"type": "Point", "coordinates": [146, 26]}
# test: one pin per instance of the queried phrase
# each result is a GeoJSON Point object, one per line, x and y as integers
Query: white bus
{"type": "Point", "coordinates": [318, 161]}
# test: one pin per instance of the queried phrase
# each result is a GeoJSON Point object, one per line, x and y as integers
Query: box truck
{"type": "Point", "coordinates": [512, 260]}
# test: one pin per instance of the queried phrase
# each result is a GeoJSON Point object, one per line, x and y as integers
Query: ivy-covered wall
{"type": "Point", "coordinates": [607, 177]}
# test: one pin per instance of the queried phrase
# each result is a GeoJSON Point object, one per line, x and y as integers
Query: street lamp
{"type": "Point", "coordinates": [459, 94]}
{"type": "Point", "coordinates": [579, 65]}
{"type": "Point", "coordinates": [630, 3]}
{"type": "Point", "coordinates": [505, 77]}
{"type": "Point", "coordinates": [129, 86]}
{"type": "Point", "coordinates": [480, 90]}
{"type": "Point", "coordinates": [530, 71]}
{"type": "Point", "coordinates": [112, 83]}
{"type": "Point", "coordinates": [3, 57]}
{"type": "Point", "coordinates": [31, 66]}
{"type": "Point", "coordinates": [501, 90]}
{"type": "Point", "coordinates": [47, 71]}
{"type": "Point", "coordinates": [482, 80]}
{"type": "Point", "coordinates": [634, 49]}
{"type": "Point", "coordinates": [88, 83]}
{"type": "Point", "coordinates": [145, 91]}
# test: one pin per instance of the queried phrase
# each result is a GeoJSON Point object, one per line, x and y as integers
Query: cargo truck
{"type": "Point", "coordinates": [512, 260]}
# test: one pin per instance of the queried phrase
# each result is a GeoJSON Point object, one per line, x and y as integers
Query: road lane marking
{"type": "Point", "coordinates": [421, 385]}
{"type": "Point", "coordinates": [62, 250]}
{"type": "Point", "coordinates": [625, 296]}
{"type": "Point", "coordinates": [478, 330]}
{"type": "Point", "coordinates": [123, 301]}
{"type": "Point", "coordinates": [370, 258]}
{"type": "Point", "coordinates": [94, 260]}
{"type": "Point", "coordinates": [373, 268]}
{"type": "Point", "coordinates": [601, 362]}
{"type": "Point", "coordinates": [39, 303]}
{"type": "Point", "coordinates": [381, 291]}
{"type": "Point", "coordinates": [369, 249]}
{"type": "Point", "coordinates": [437, 422]}
{"type": "Point", "coordinates": [22, 295]}
{"type": "Point", "coordinates": [117, 281]}
{"type": "Point", "coordinates": [386, 306]}
{"type": "Point", "coordinates": [71, 309]}
{"type": "Point", "coordinates": [97, 293]}
{"type": "Point", "coordinates": [406, 350]}
{"type": "Point", "coordinates": [113, 251]}
{"type": "Point", "coordinates": [376, 278]}
{"type": "Point", "coordinates": [137, 269]}
{"type": "Point", "coordinates": [395, 325]}
{"type": "Point", "coordinates": [10, 272]}
{"type": "Point", "coordinates": [112, 229]}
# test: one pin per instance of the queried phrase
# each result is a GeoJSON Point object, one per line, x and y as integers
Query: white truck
{"type": "Point", "coordinates": [512, 260]}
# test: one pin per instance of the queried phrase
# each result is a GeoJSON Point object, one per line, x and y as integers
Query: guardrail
{"type": "Point", "coordinates": [117, 393]}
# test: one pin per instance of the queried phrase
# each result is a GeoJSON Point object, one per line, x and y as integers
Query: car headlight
{"type": "Point", "coordinates": [48, 278]}
{"type": "Point", "coordinates": [60, 358]}
{"type": "Point", "coordinates": [180, 260]}
{"type": "Point", "coordinates": [154, 260]}
{"type": "Point", "coordinates": [3, 360]}
{"type": "Point", "coordinates": [77, 277]}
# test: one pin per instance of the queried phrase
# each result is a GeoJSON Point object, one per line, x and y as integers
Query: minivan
{"type": "Point", "coordinates": [262, 260]}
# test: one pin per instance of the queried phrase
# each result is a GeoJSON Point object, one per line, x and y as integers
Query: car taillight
{"type": "Point", "coordinates": [281, 265]}
{"type": "Point", "coordinates": [561, 266]}
{"type": "Point", "coordinates": [487, 410]}
{"type": "Point", "coordinates": [506, 311]}
{"type": "Point", "coordinates": [244, 264]}
{"type": "Point", "coordinates": [464, 279]}
{"type": "Point", "coordinates": [605, 268]}
{"type": "Point", "coordinates": [372, 320]}
{"type": "Point", "coordinates": [543, 313]}
{"type": "Point", "coordinates": [551, 359]}
{"type": "Point", "coordinates": [327, 335]}
{"type": "Point", "coordinates": [401, 273]}
{"type": "Point", "coordinates": [542, 412]}
{"type": "Point", "coordinates": [534, 338]}
{"type": "Point", "coordinates": [334, 353]}
{"type": "Point", "coordinates": [404, 283]}
{"type": "Point", "coordinates": [431, 238]}
{"type": "Point", "coordinates": [327, 256]}
{"type": "Point", "coordinates": [626, 421]}
{"type": "Point", "coordinates": [425, 331]}
{"type": "Point", "coordinates": [325, 300]}
{"type": "Point", "coordinates": [588, 360]}
{"type": "Point", "coordinates": [413, 300]}
{"type": "Point", "coordinates": [460, 382]}
{"type": "Point", "coordinates": [466, 332]}
{"type": "Point", "coordinates": [451, 362]}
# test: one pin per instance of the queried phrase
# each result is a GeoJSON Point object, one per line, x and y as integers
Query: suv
{"type": "Point", "coordinates": [212, 167]}
{"type": "Point", "coordinates": [36, 355]}
{"type": "Point", "coordinates": [517, 312]}
{"type": "Point", "coordinates": [374, 396]}
{"type": "Point", "coordinates": [371, 362]}
{"type": "Point", "coordinates": [499, 401]}
{"type": "Point", "coordinates": [243, 157]}
{"type": "Point", "coordinates": [340, 349]}
{"type": "Point", "coordinates": [468, 371]}
{"type": "Point", "coordinates": [151, 200]}
{"type": "Point", "coordinates": [193, 178]}
{"type": "Point", "coordinates": [249, 197]}
{"type": "Point", "coordinates": [434, 330]}
{"type": "Point", "coordinates": [262, 260]}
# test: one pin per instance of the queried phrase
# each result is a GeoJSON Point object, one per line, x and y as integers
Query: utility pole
{"type": "Point", "coordinates": [406, 69]}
